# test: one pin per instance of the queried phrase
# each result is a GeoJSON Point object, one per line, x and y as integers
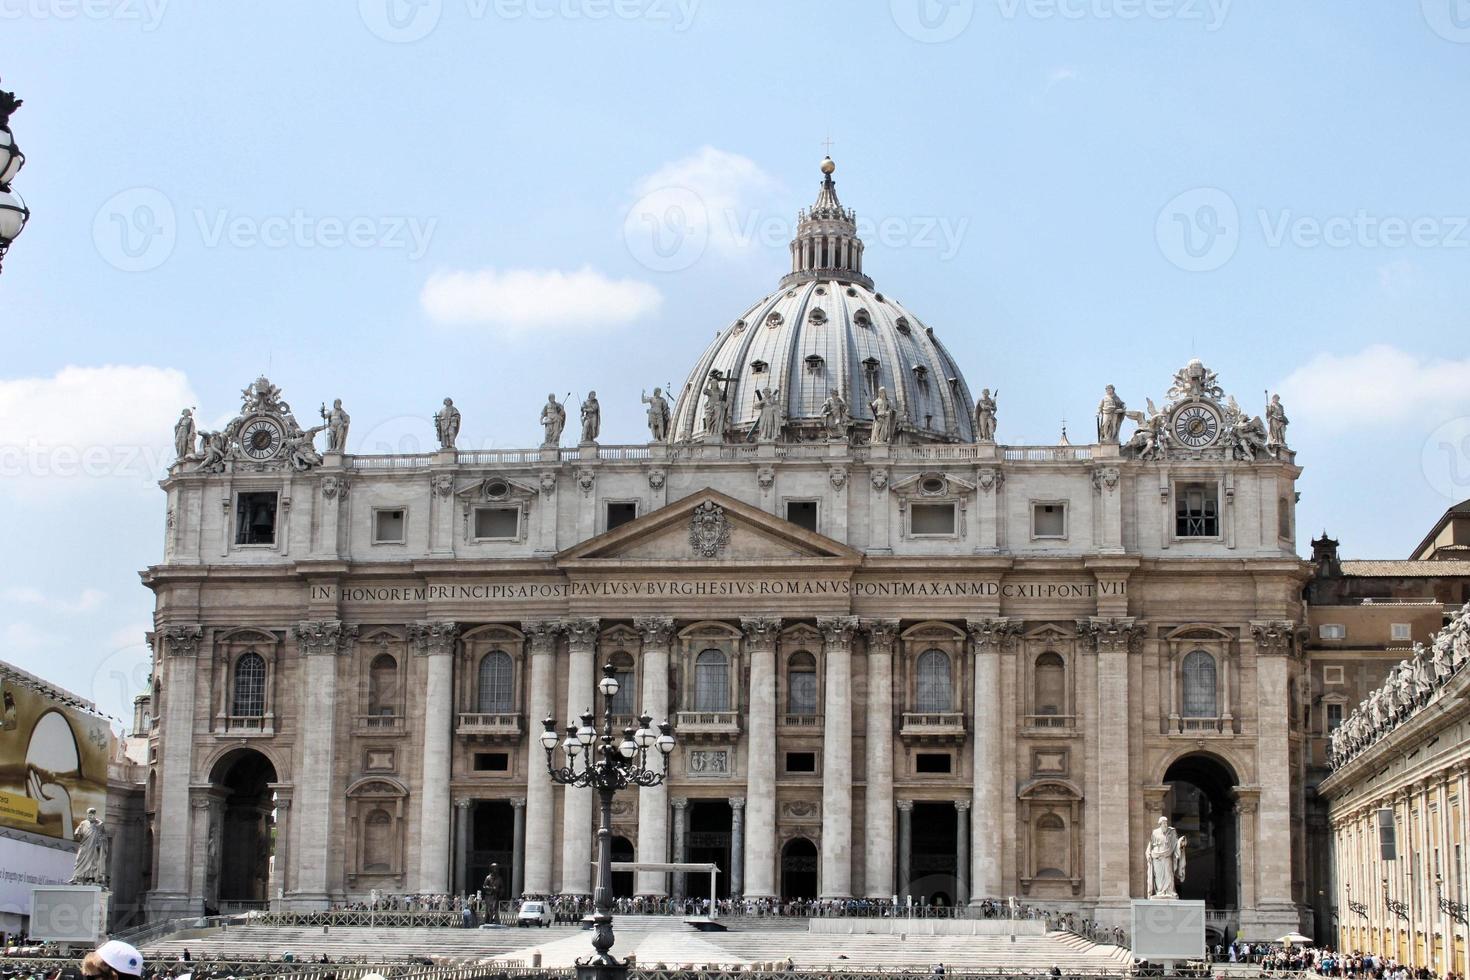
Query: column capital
{"type": "Point", "coordinates": [463, 803]}
{"type": "Point", "coordinates": [657, 631]}
{"type": "Point", "coordinates": [962, 805]}
{"type": "Point", "coordinates": [837, 631]}
{"type": "Point", "coordinates": [1274, 638]}
{"type": "Point", "coordinates": [581, 633]}
{"type": "Point", "coordinates": [182, 639]}
{"type": "Point", "coordinates": [905, 806]}
{"type": "Point", "coordinates": [992, 634]}
{"type": "Point", "coordinates": [1154, 796]}
{"type": "Point", "coordinates": [323, 637]}
{"type": "Point", "coordinates": [882, 633]}
{"type": "Point", "coordinates": [679, 802]}
{"type": "Point", "coordinates": [737, 803]}
{"type": "Point", "coordinates": [1246, 798]}
{"type": "Point", "coordinates": [433, 639]}
{"type": "Point", "coordinates": [543, 633]}
{"type": "Point", "coordinates": [1110, 635]}
{"type": "Point", "coordinates": [760, 631]}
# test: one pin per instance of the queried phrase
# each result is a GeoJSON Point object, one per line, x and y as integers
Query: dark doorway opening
{"type": "Point", "coordinates": [1203, 811]}
{"type": "Point", "coordinates": [932, 870]}
{"type": "Point", "coordinates": [241, 845]}
{"type": "Point", "coordinates": [492, 841]}
{"type": "Point", "coordinates": [799, 863]}
{"type": "Point", "coordinates": [622, 881]}
{"type": "Point", "coordinates": [709, 843]}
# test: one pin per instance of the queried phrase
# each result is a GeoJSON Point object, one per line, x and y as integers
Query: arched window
{"type": "Point", "coordinates": [377, 843]}
{"type": "Point", "coordinates": [711, 681]}
{"type": "Point", "coordinates": [1200, 686]}
{"type": "Point", "coordinates": [495, 690]}
{"type": "Point", "coordinates": [1050, 683]}
{"type": "Point", "coordinates": [627, 697]}
{"type": "Point", "coordinates": [383, 685]}
{"type": "Point", "coordinates": [801, 684]}
{"type": "Point", "coordinates": [933, 690]}
{"type": "Point", "coordinates": [1053, 849]}
{"type": "Point", "coordinates": [249, 700]}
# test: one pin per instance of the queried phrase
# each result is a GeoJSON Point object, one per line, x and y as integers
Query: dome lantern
{"type": "Point", "coordinates": [826, 245]}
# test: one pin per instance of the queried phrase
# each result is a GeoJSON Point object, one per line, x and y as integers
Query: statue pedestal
{"type": "Point", "coordinates": [550, 454]}
{"type": "Point", "coordinates": [587, 450]}
{"type": "Point", "coordinates": [70, 913]}
{"type": "Point", "coordinates": [1165, 930]}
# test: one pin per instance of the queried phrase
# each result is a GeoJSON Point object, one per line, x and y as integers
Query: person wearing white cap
{"type": "Point", "coordinates": [113, 961]}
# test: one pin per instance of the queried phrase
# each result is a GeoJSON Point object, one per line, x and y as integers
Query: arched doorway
{"type": "Point", "coordinates": [799, 869]}
{"type": "Point", "coordinates": [241, 837]}
{"type": "Point", "coordinates": [622, 881]}
{"type": "Point", "coordinates": [1202, 808]}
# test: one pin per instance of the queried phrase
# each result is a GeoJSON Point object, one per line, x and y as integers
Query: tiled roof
{"type": "Point", "coordinates": [1393, 568]}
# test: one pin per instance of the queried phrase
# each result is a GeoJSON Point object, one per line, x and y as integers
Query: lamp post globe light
{"type": "Point", "coordinates": [13, 212]}
{"type": "Point", "coordinates": [599, 761]}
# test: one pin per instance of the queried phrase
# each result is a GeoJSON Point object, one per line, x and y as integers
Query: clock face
{"type": "Point", "coordinates": [261, 437]}
{"type": "Point", "coordinates": [1196, 426]}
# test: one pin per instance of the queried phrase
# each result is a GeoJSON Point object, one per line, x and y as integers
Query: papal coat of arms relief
{"type": "Point", "coordinates": [709, 529]}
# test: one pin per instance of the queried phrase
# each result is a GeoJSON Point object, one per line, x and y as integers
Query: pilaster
{"type": "Point", "coordinates": [836, 874]}
{"type": "Point", "coordinates": [988, 638]}
{"type": "Point", "coordinates": [540, 806]}
{"type": "Point", "coordinates": [435, 643]}
{"type": "Point", "coordinates": [878, 745]}
{"type": "Point", "coordinates": [760, 837]}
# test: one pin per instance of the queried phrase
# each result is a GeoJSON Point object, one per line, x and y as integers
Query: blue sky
{"type": "Point", "coordinates": [390, 201]}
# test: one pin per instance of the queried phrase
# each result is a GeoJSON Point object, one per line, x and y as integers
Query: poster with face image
{"type": "Point", "coordinates": [53, 760]}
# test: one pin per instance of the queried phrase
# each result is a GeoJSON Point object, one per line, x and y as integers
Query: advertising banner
{"type": "Point", "coordinates": [26, 866]}
{"type": "Point", "coordinates": [53, 759]}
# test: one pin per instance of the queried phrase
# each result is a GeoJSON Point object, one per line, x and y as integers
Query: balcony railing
{"type": "Point", "coordinates": [247, 724]}
{"type": "Point", "coordinates": [933, 726]}
{"type": "Point", "coordinates": [801, 721]}
{"type": "Point", "coordinates": [492, 725]}
{"type": "Point", "coordinates": [381, 723]}
{"type": "Point", "coordinates": [705, 726]}
{"type": "Point", "coordinates": [1050, 721]}
{"type": "Point", "coordinates": [1204, 726]}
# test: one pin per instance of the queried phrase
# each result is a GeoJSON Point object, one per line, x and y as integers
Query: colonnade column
{"type": "Point", "coordinates": [737, 846]}
{"type": "Point", "coordinates": [837, 759]}
{"type": "Point", "coordinates": [962, 852]}
{"type": "Point", "coordinates": [878, 745]}
{"type": "Point", "coordinates": [463, 811]}
{"type": "Point", "coordinates": [536, 877]}
{"type": "Point", "coordinates": [435, 643]}
{"type": "Point", "coordinates": [760, 738]}
{"type": "Point", "coordinates": [576, 805]}
{"type": "Point", "coordinates": [905, 847]}
{"type": "Point", "coordinates": [518, 846]}
{"type": "Point", "coordinates": [1275, 644]}
{"type": "Point", "coordinates": [988, 636]}
{"type": "Point", "coordinates": [175, 650]}
{"type": "Point", "coordinates": [320, 644]}
{"type": "Point", "coordinates": [1246, 798]}
{"type": "Point", "coordinates": [681, 841]}
{"type": "Point", "coordinates": [280, 881]}
{"type": "Point", "coordinates": [1113, 639]}
{"type": "Point", "coordinates": [653, 801]}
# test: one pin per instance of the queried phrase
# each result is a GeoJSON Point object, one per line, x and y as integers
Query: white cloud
{"type": "Point", "coordinates": [88, 600]}
{"type": "Point", "coordinates": [89, 423]}
{"type": "Point", "coordinates": [518, 300]}
{"type": "Point", "coordinates": [1376, 385]}
{"type": "Point", "coordinates": [712, 200]}
{"type": "Point", "coordinates": [1059, 75]}
{"type": "Point", "coordinates": [25, 636]}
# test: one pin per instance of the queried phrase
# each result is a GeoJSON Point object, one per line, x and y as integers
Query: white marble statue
{"type": "Point", "coordinates": [834, 414]}
{"type": "Point", "coordinates": [446, 424]}
{"type": "Point", "coordinates": [1110, 416]}
{"type": "Point", "coordinates": [1165, 859]}
{"type": "Point", "coordinates": [885, 419]}
{"type": "Point", "coordinates": [985, 416]}
{"type": "Point", "coordinates": [94, 852]}
{"type": "Point", "coordinates": [553, 420]}
{"type": "Point", "coordinates": [591, 418]}
{"type": "Point", "coordinates": [716, 411]}
{"type": "Point", "coordinates": [1276, 422]}
{"type": "Point", "coordinates": [658, 414]}
{"type": "Point", "coordinates": [337, 423]}
{"type": "Point", "coordinates": [185, 435]}
{"type": "Point", "coordinates": [768, 425]}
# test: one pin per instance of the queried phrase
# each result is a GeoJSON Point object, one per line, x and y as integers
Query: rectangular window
{"type": "Point", "coordinates": [801, 762]}
{"type": "Point", "coordinates": [497, 523]}
{"type": "Point", "coordinates": [389, 526]}
{"type": "Point", "coordinates": [1049, 520]}
{"type": "Point", "coordinates": [931, 519]}
{"type": "Point", "coordinates": [1332, 631]}
{"type": "Point", "coordinates": [802, 513]}
{"type": "Point", "coordinates": [492, 762]}
{"type": "Point", "coordinates": [1334, 717]}
{"type": "Point", "coordinates": [1399, 632]}
{"type": "Point", "coordinates": [620, 513]}
{"type": "Point", "coordinates": [255, 517]}
{"type": "Point", "coordinates": [1387, 841]}
{"type": "Point", "coordinates": [1332, 675]}
{"type": "Point", "coordinates": [1197, 510]}
{"type": "Point", "coordinates": [933, 762]}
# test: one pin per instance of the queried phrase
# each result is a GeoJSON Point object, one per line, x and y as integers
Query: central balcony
{"type": "Point", "coordinates": [490, 726]}
{"type": "Point", "coordinates": [933, 727]}
{"type": "Point", "coordinates": [807, 722]}
{"type": "Point", "coordinates": [708, 726]}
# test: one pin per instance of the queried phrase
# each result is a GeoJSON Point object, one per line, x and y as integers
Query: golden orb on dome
{"type": "Point", "coordinates": [827, 165]}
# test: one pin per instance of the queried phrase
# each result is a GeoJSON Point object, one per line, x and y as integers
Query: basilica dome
{"type": "Point", "coordinates": [825, 329]}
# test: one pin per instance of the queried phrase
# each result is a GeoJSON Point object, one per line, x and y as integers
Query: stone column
{"type": "Point", "coordinates": [539, 803]}
{"type": "Point", "coordinates": [681, 840]}
{"type": "Point", "coordinates": [576, 829]}
{"type": "Point", "coordinates": [320, 644]}
{"type": "Point", "coordinates": [988, 637]}
{"type": "Point", "coordinates": [878, 791]}
{"type": "Point", "coordinates": [178, 649]}
{"type": "Point", "coordinates": [434, 642]}
{"type": "Point", "coordinates": [962, 852]}
{"type": "Point", "coordinates": [836, 875]}
{"type": "Point", "coordinates": [518, 847]}
{"type": "Point", "coordinates": [653, 801]}
{"type": "Point", "coordinates": [1113, 639]}
{"type": "Point", "coordinates": [208, 805]}
{"type": "Point", "coordinates": [737, 846]}
{"type": "Point", "coordinates": [1274, 661]}
{"type": "Point", "coordinates": [280, 881]}
{"type": "Point", "coordinates": [1246, 798]}
{"type": "Point", "coordinates": [760, 739]}
{"type": "Point", "coordinates": [463, 813]}
{"type": "Point", "coordinates": [905, 848]}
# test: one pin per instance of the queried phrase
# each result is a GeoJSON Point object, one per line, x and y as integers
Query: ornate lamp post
{"type": "Point", "coordinates": [13, 212]}
{"type": "Point", "coordinates": [1455, 910]}
{"type": "Point", "coordinates": [607, 766]}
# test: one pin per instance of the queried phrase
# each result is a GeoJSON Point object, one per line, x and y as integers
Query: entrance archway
{"type": "Point", "coordinates": [622, 881]}
{"type": "Point", "coordinates": [709, 839]}
{"type": "Point", "coordinates": [492, 841]}
{"type": "Point", "coordinates": [934, 835]}
{"type": "Point", "coordinates": [1202, 808]}
{"type": "Point", "coordinates": [241, 843]}
{"type": "Point", "coordinates": [799, 869]}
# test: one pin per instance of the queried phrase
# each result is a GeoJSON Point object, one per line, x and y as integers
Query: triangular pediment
{"type": "Point", "coordinates": [709, 527]}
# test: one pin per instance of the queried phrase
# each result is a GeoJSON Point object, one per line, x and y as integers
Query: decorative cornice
{"type": "Point", "coordinates": [182, 640]}
{"type": "Point", "coordinates": [657, 631]}
{"type": "Point", "coordinates": [327, 636]}
{"type": "Point", "coordinates": [993, 634]}
{"type": "Point", "coordinates": [433, 639]}
{"type": "Point", "coordinates": [837, 631]}
{"type": "Point", "coordinates": [760, 631]}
